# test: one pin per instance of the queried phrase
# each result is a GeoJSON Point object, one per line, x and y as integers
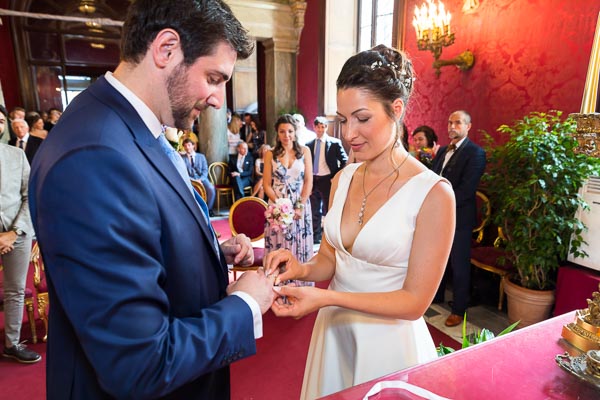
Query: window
{"type": "Point", "coordinates": [379, 23]}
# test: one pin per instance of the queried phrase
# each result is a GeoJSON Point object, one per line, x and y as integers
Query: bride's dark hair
{"type": "Point", "coordinates": [386, 73]}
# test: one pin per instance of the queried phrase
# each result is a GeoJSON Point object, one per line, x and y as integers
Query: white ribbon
{"type": "Point", "coordinates": [419, 391]}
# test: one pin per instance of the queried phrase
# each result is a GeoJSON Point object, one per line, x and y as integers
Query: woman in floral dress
{"type": "Point", "coordinates": [287, 173]}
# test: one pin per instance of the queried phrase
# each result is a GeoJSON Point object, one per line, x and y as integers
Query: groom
{"type": "Point", "coordinates": [141, 306]}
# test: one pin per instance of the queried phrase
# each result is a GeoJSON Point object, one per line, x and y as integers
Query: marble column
{"type": "Point", "coordinates": [280, 80]}
{"type": "Point", "coordinates": [212, 140]}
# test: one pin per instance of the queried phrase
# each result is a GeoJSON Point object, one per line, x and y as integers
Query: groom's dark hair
{"type": "Point", "coordinates": [201, 25]}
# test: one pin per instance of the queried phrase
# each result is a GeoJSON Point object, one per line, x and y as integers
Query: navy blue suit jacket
{"type": "Point", "coordinates": [33, 144]}
{"type": "Point", "coordinates": [464, 169]}
{"type": "Point", "coordinates": [335, 155]}
{"type": "Point", "coordinates": [137, 290]}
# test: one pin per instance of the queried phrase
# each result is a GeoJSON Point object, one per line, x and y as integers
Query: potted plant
{"type": "Point", "coordinates": [532, 180]}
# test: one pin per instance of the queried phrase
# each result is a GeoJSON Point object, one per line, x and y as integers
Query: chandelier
{"type": "Point", "coordinates": [432, 26]}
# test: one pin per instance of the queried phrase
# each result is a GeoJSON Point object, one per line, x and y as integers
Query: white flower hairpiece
{"type": "Point", "coordinates": [401, 75]}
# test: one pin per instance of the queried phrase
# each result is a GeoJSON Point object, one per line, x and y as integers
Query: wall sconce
{"type": "Point", "coordinates": [432, 24]}
{"type": "Point", "coordinates": [87, 6]}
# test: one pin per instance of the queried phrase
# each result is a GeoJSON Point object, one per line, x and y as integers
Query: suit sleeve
{"type": "Point", "coordinates": [342, 156]}
{"type": "Point", "coordinates": [104, 247]}
{"type": "Point", "coordinates": [203, 170]}
{"type": "Point", "coordinates": [23, 218]}
{"type": "Point", "coordinates": [248, 167]}
{"type": "Point", "coordinates": [469, 178]}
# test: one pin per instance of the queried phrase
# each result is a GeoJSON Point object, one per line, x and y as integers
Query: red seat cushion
{"type": "Point", "coordinates": [248, 218]}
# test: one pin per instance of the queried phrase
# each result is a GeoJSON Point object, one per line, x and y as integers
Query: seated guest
{"type": "Point", "coordinates": [233, 133]}
{"type": "Point", "coordinates": [36, 125]}
{"type": "Point", "coordinates": [240, 169]}
{"type": "Point", "coordinates": [23, 140]}
{"type": "Point", "coordinates": [197, 168]}
{"type": "Point", "coordinates": [259, 166]}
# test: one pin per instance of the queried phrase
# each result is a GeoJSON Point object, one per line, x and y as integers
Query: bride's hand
{"type": "Point", "coordinates": [283, 263]}
{"type": "Point", "coordinates": [298, 302]}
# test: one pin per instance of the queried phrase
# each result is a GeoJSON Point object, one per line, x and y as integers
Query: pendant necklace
{"type": "Point", "coordinates": [365, 194]}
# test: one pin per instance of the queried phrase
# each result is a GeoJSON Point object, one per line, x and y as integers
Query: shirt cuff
{"type": "Point", "coordinates": [256, 314]}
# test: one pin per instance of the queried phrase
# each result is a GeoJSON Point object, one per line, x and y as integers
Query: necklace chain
{"type": "Point", "coordinates": [361, 213]}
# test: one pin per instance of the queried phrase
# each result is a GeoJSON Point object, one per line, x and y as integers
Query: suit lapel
{"type": "Point", "coordinates": [151, 149]}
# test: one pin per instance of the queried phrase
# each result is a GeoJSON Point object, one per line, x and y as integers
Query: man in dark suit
{"type": "Point", "coordinates": [241, 166]}
{"type": "Point", "coordinates": [462, 162]}
{"type": "Point", "coordinates": [329, 157]}
{"type": "Point", "coordinates": [141, 306]}
{"type": "Point", "coordinates": [23, 140]}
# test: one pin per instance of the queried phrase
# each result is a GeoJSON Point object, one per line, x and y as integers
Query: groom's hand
{"type": "Point", "coordinates": [238, 251]}
{"type": "Point", "coordinates": [257, 285]}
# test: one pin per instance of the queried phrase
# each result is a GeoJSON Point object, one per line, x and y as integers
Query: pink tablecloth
{"type": "Point", "coordinates": [519, 365]}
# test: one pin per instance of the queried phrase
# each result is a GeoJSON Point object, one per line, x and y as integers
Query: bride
{"type": "Point", "coordinates": [388, 236]}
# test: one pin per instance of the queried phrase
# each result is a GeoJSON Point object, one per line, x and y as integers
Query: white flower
{"type": "Point", "coordinates": [173, 134]}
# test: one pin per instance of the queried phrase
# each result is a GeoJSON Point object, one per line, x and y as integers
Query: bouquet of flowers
{"type": "Point", "coordinates": [425, 155]}
{"type": "Point", "coordinates": [280, 214]}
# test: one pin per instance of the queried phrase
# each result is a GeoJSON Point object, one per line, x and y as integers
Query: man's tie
{"type": "Point", "coordinates": [191, 159]}
{"type": "Point", "coordinates": [317, 155]}
{"type": "Point", "coordinates": [20, 143]}
{"type": "Point", "coordinates": [180, 166]}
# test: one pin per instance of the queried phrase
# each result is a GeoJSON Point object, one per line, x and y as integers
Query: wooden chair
{"type": "Point", "coordinates": [200, 189]}
{"type": "Point", "coordinates": [28, 309]}
{"type": "Point", "coordinates": [41, 287]}
{"type": "Point", "coordinates": [247, 216]}
{"type": "Point", "coordinates": [218, 173]}
{"type": "Point", "coordinates": [487, 257]}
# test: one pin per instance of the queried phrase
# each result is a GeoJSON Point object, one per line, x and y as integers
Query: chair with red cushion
{"type": "Point", "coordinates": [247, 216]}
{"type": "Point", "coordinates": [489, 257]}
{"type": "Point", "coordinates": [41, 286]}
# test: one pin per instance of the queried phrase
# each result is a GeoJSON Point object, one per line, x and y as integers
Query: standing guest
{"type": "Point", "coordinates": [233, 133]}
{"type": "Point", "coordinates": [23, 140]}
{"type": "Point", "coordinates": [241, 166]}
{"type": "Point", "coordinates": [36, 125]}
{"type": "Point", "coordinates": [385, 213]}
{"type": "Point", "coordinates": [288, 175]}
{"type": "Point", "coordinates": [259, 168]}
{"type": "Point", "coordinates": [15, 113]}
{"type": "Point", "coordinates": [425, 144]}
{"type": "Point", "coordinates": [141, 305]}
{"type": "Point", "coordinates": [15, 247]}
{"type": "Point", "coordinates": [197, 168]}
{"type": "Point", "coordinates": [424, 137]}
{"type": "Point", "coordinates": [256, 138]}
{"type": "Point", "coordinates": [329, 157]}
{"type": "Point", "coordinates": [246, 128]}
{"type": "Point", "coordinates": [4, 124]}
{"type": "Point", "coordinates": [462, 162]}
{"type": "Point", "coordinates": [53, 117]}
{"type": "Point", "coordinates": [303, 134]}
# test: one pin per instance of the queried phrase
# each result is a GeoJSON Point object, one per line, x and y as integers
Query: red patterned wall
{"type": "Point", "coordinates": [530, 55]}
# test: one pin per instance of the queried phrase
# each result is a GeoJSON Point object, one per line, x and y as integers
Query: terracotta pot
{"type": "Point", "coordinates": [527, 305]}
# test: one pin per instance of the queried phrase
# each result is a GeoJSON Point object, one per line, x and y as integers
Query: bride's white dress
{"type": "Point", "coordinates": [350, 347]}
